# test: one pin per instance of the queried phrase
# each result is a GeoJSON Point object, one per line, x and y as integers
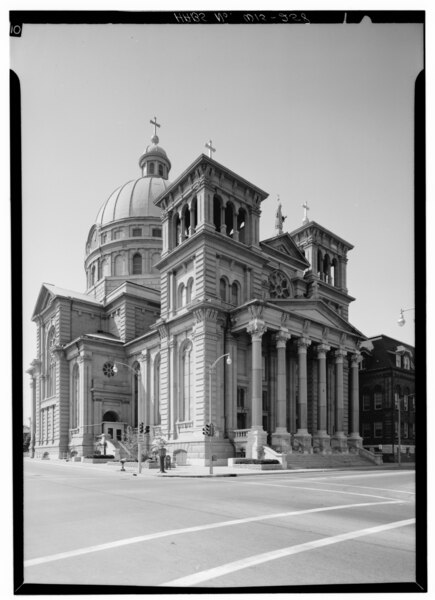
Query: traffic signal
{"type": "Point", "coordinates": [206, 429]}
{"type": "Point", "coordinates": [147, 428]}
{"type": "Point", "coordinates": [140, 427]}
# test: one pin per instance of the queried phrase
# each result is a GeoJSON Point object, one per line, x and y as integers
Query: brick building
{"type": "Point", "coordinates": [387, 397]}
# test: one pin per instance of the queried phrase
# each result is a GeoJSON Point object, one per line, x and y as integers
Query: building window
{"type": "Point", "coordinates": [378, 432]}
{"type": "Point", "coordinates": [223, 290]}
{"type": "Point", "coordinates": [161, 170]}
{"type": "Point", "coordinates": [151, 168]}
{"type": "Point", "coordinates": [412, 398]}
{"type": "Point", "coordinates": [103, 238]}
{"type": "Point", "coordinates": [241, 397]}
{"type": "Point", "coordinates": [156, 232]}
{"type": "Point", "coordinates": [51, 363]}
{"type": "Point", "coordinates": [366, 400]}
{"type": "Point", "coordinates": [366, 430]}
{"type": "Point", "coordinates": [137, 264]}
{"type": "Point", "coordinates": [398, 360]}
{"type": "Point", "coordinates": [405, 430]}
{"type": "Point", "coordinates": [189, 291]}
{"type": "Point", "coordinates": [136, 232]}
{"type": "Point", "coordinates": [405, 403]}
{"type": "Point", "coordinates": [108, 369]}
{"type": "Point", "coordinates": [235, 294]}
{"type": "Point", "coordinates": [406, 362]}
{"type": "Point", "coordinates": [378, 400]}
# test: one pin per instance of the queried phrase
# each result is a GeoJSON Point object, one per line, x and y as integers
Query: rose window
{"type": "Point", "coordinates": [279, 285]}
{"type": "Point", "coordinates": [108, 369]}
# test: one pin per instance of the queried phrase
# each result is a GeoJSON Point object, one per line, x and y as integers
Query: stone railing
{"type": "Point", "coordinates": [241, 435]}
{"type": "Point", "coordinates": [375, 458]}
{"type": "Point", "coordinates": [184, 426]}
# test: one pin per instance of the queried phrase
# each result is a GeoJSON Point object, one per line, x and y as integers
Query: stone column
{"type": "Point", "coordinates": [339, 440]}
{"type": "Point", "coordinates": [281, 437]}
{"type": "Point", "coordinates": [172, 389]}
{"type": "Point", "coordinates": [302, 439]}
{"type": "Point", "coordinates": [144, 414]}
{"type": "Point", "coordinates": [231, 386]}
{"type": "Point", "coordinates": [257, 437]}
{"type": "Point", "coordinates": [85, 403]}
{"type": "Point", "coordinates": [354, 440]}
{"type": "Point", "coordinates": [321, 439]}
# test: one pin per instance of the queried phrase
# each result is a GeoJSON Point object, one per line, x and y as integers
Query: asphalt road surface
{"type": "Point", "coordinates": [101, 526]}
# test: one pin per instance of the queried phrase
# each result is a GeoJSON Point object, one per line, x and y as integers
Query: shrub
{"type": "Point", "coordinates": [99, 456]}
{"type": "Point", "coordinates": [257, 461]}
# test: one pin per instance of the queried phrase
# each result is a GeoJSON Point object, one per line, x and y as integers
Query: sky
{"type": "Point", "coordinates": [320, 114]}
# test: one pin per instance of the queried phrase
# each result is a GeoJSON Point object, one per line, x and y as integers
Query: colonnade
{"type": "Point", "coordinates": [303, 440]}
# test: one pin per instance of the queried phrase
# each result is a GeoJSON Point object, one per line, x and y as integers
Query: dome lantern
{"type": "Point", "coordinates": [154, 161]}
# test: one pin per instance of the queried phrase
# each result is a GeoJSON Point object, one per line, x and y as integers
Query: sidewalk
{"type": "Point", "coordinates": [193, 471]}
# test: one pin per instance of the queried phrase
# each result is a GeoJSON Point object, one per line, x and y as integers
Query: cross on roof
{"type": "Point", "coordinates": [305, 207]}
{"type": "Point", "coordinates": [210, 148]}
{"type": "Point", "coordinates": [155, 125]}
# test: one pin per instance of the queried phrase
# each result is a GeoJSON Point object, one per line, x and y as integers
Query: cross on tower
{"type": "Point", "coordinates": [155, 125]}
{"type": "Point", "coordinates": [305, 207]}
{"type": "Point", "coordinates": [210, 148]}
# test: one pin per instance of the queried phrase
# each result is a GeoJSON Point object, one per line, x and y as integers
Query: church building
{"type": "Point", "coordinates": [188, 319]}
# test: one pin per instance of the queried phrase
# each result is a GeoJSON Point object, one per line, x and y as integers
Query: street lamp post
{"type": "Point", "coordinates": [401, 320]}
{"type": "Point", "coordinates": [211, 431]}
{"type": "Point", "coordinates": [139, 445]}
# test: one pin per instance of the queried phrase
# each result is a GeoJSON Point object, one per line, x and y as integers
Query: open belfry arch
{"type": "Point", "coordinates": [177, 278]}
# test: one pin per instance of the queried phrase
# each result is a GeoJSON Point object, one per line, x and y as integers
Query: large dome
{"type": "Point", "coordinates": [133, 199]}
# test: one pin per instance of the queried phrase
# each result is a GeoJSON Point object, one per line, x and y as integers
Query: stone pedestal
{"type": "Point", "coordinates": [321, 443]}
{"type": "Point", "coordinates": [281, 440]}
{"type": "Point", "coordinates": [257, 438]}
{"type": "Point", "coordinates": [302, 442]}
{"type": "Point", "coordinates": [339, 443]}
{"type": "Point", "coordinates": [354, 442]}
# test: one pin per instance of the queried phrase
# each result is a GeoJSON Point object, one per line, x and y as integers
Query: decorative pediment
{"type": "Point", "coordinates": [49, 293]}
{"type": "Point", "coordinates": [284, 245]}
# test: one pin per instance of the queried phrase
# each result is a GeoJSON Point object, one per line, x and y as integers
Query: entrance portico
{"type": "Point", "coordinates": [315, 377]}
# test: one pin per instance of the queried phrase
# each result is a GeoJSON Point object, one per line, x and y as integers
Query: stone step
{"type": "Point", "coordinates": [327, 461]}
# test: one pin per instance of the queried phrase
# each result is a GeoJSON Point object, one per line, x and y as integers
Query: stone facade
{"type": "Point", "coordinates": [178, 281]}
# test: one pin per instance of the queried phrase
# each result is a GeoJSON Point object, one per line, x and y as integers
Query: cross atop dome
{"type": "Point", "coordinates": [306, 208]}
{"type": "Point", "coordinates": [155, 139]}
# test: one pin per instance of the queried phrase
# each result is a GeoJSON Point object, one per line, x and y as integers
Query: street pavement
{"type": "Point", "coordinates": [98, 525]}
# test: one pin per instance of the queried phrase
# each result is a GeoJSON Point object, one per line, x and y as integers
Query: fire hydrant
{"type": "Point", "coordinates": [122, 461]}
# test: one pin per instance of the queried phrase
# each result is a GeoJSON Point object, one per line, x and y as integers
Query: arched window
{"type": "Point", "coordinates": [157, 416]}
{"type": "Point", "coordinates": [242, 226]}
{"type": "Point", "coordinates": [189, 291]}
{"type": "Point", "coordinates": [119, 265]}
{"type": "Point", "coordinates": [137, 264]}
{"type": "Point", "coordinates": [177, 229]}
{"type": "Point", "coordinates": [217, 213]}
{"type": "Point", "coordinates": [160, 170]}
{"type": "Point", "coordinates": [186, 223]}
{"type": "Point", "coordinates": [151, 168]}
{"type": "Point", "coordinates": [320, 265]}
{"type": "Point", "coordinates": [334, 273]}
{"type": "Point", "coordinates": [105, 268]}
{"type": "Point", "coordinates": [181, 295]}
{"type": "Point", "coordinates": [229, 219]}
{"type": "Point", "coordinates": [235, 293]}
{"type": "Point", "coordinates": [93, 278]}
{"type": "Point", "coordinates": [223, 289]}
{"type": "Point", "coordinates": [51, 363]}
{"type": "Point", "coordinates": [327, 269]}
{"type": "Point", "coordinates": [75, 408]}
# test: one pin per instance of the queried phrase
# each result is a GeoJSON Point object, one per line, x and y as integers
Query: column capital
{"type": "Point", "coordinates": [144, 356]}
{"type": "Point", "coordinates": [84, 355]}
{"type": "Point", "coordinates": [322, 349]}
{"type": "Point", "coordinates": [302, 344]}
{"type": "Point", "coordinates": [355, 359]}
{"type": "Point", "coordinates": [257, 328]}
{"type": "Point", "coordinates": [281, 337]}
{"type": "Point", "coordinates": [339, 354]}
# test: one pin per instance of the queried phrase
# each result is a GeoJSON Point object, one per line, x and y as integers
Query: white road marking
{"type": "Point", "coordinates": [252, 561]}
{"type": "Point", "coordinates": [367, 487]}
{"type": "Point", "coordinates": [300, 487]}
{"type": "Point", "coordinates": [153, 536]}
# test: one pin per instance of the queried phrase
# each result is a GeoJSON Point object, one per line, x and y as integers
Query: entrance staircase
{"type": "Point", "coordinates": [327, 461]}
